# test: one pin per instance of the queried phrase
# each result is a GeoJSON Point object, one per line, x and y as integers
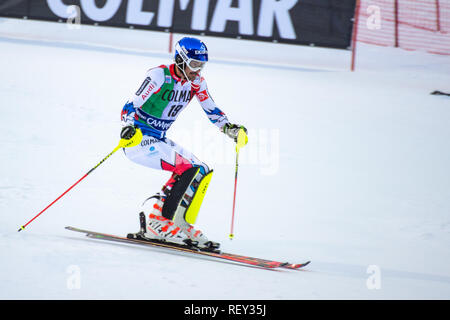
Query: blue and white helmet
{"type": "Point", "coordinates": [191, 52]}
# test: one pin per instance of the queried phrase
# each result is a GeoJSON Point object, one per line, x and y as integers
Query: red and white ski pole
{"type": "Point", "coordinates": [123, 143]}
{"type": "Point", "coordinates": [242, 140]}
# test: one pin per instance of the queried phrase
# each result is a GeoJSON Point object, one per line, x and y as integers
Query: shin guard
{"type": "Point", "coordinates": [176, 194]}
{"type": "Point", "coordinates": [192, 210]}
{"type": "Point", "coordinates": [185, 198]}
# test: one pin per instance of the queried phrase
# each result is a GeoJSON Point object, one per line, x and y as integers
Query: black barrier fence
{"type": "Point", "coordinates": [323, 23]}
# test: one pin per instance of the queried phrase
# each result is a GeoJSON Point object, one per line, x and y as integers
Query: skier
{"type": "Point", "coordinates": [165, 92]}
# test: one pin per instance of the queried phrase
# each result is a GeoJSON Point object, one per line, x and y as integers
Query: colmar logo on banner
{"type": "Point", "coordinates": [323, 23]}
{"type": "Point", "coordinates": [271, 13]}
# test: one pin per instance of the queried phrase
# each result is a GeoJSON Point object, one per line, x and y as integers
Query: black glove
{"type": "Point", "coordinates": [128, 132]}
{"type": "Point", "coordinates": [232, 130]}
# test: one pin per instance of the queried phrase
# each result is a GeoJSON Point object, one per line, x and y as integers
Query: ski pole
{"type": "Point", "coordinates": [123, 143]}
{"type": "Point", "coordinates": [242, 140]}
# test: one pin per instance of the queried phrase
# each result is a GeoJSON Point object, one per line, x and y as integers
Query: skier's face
{"type": "Point", "coordinates": [191, 74]}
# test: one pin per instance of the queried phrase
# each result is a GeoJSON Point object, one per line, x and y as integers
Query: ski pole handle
{"type": "Point", "coordinates": [123, 143]}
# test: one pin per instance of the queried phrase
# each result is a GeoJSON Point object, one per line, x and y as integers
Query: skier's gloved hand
{"type": "Point", "coordinates": [232, 130]}
{"type": "Point", "coordinates": [128, 132]}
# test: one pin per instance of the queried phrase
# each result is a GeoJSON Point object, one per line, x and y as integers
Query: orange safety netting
{"type": "Point", "coordinates": [409, 24]}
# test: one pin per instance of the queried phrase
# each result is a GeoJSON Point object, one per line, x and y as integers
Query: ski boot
{"type": "Point", "coordinates": [199, 240]}
{"type": "Point", "coordinates": [159, 228]}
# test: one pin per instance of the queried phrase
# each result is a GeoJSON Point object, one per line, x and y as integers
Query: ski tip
{"type": "Point", "coordinates": [21, 228]}
{"type": "Point", "coordinates": [296, 266]}
{"type": "Point", "coordinates": [305, 264]}
{"type": "Point", "coordinates": [301, 265]}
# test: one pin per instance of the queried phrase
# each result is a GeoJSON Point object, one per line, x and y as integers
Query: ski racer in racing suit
{"type": "Point", "coordinates": [164, 93]}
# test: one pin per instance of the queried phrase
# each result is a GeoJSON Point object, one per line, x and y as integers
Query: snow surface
{"type": "Point", "coordinates": [349, 170]}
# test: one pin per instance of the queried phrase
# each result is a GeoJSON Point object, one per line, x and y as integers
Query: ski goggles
{"type": "Point", "coordinates": [195, 65]}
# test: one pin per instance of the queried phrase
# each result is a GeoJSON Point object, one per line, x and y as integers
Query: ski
{"type": "Point", "coordinates": [225, 256]}
{"type": "Point", "coordinates": [285, 265]}
{"type": "Point", "coordinates": [437, 93]}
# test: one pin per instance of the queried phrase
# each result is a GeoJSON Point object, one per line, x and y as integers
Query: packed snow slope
{"type": "Point", "coordinates": [349, 170]}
